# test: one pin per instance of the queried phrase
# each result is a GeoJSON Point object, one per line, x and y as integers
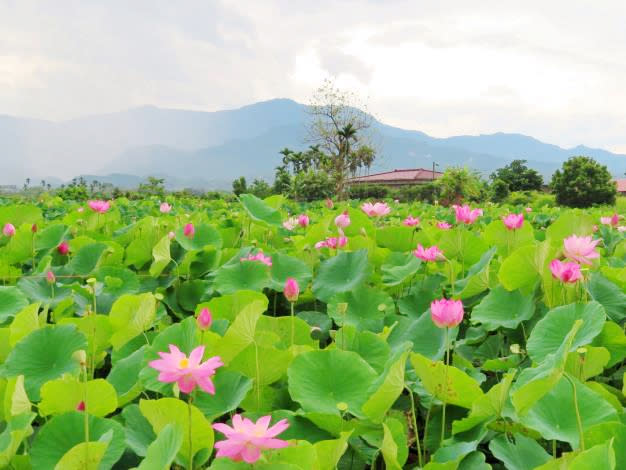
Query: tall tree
{"type": "Point", "coordinates": [340, 126]}
{"type": "Point", "coordinates": [518, 176]}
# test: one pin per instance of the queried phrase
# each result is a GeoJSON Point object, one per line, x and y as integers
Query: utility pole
{"type": "Point", "coordinates": [434, 164]}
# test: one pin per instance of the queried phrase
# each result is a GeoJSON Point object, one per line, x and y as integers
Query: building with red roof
{"type": "Point", "coordinates": [621, 185]}
{"type": "Point", "coordinates": [398, 177]}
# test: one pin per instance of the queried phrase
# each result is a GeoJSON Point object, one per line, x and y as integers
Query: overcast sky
{"type": "Point", "coordinates": [553, 69]}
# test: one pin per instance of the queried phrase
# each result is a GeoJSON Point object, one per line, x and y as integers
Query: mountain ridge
{"type": "Point", "coordinates": [218, 146]}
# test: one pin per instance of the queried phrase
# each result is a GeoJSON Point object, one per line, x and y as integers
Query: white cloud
{"type": "Point", "coordinates": [554, 70]}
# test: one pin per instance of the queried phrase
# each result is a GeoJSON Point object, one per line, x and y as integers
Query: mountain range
{"type": "Point", "coordinates": [209, 149]}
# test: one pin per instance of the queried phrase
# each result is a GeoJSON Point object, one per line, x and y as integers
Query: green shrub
{"type": "Point", "coordinates": [365, 191]}
{"type": "Point", "coordinates": [499, 190]}
{"type": "Point", "coordinates": [583, 182]}
{"type": "Point", "coordinates": [458, 184]}
{"type": "Point", "coordinates": [312, 185]}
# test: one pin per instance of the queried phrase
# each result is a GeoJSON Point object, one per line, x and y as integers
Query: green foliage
{"type": "Point", "coordinates": [518, 177]}
{"type": "Point", "coordinates": [459, 184]}
{"type": "Point", "coordinates": [240, 186]}
{"type": "Point", "coordinates": [365, 191]}
{"type": "Point", "coordinates": [583, 182]}
{"type": "Point", "coordinates": [312, 186]}
{"type": "Point", "coordinates": [499, 190]}
{"type": "Point", "coordinates": [359, 370]}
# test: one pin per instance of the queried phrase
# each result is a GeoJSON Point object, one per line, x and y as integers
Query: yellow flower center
{"type": "Point", "coordinates": [184, 363]}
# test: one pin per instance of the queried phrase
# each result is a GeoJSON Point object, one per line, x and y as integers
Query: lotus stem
{"type": "Point", "coordinates": [86, 415]}
{"type": "Point", "coordinates": [189, 400]}
{"type": "Point", "coordinates": [445, 389]}
{"type": "Point", "coordinates": [293, 324]}
{"type": "Point", "coordinates": [258, 376]}
{"type": "Point", "coordinates": [579, 421]}
{"type": "Point", "coordinates": [417, 436]}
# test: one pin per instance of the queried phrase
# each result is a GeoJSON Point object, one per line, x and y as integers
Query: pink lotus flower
{"type": "Point", "coordinates": [513, 221]}
{"type": "Point", "coordinates": [332, 242]}
{"type": "Point", "coordinates": [246, 439]}
{"type": "Point", "coordinates": [187, 372]}
{"type": "Point", "coordinates": [411, 221]}
{"type": "Point", "coordinates": [50, 277]}
{"type": "Point", "coordinates": [446, 313]}
{"type": "Point", "coordinates": [595, 228]}
{"type": "Point", "coordinates": [98, 206]}
{"type": "Point", "coordinates": [568, 272]}
{"type": "Point", "coordinates": [165, 208]}
{"type": "Point", "coordinates": [375, 210]}
{"type": "Point", "coordinates": [621, 228]}
{"type": "Point", "coordinates": [528, 210]}
{"type": "Point", "coordinates": [80, 406]}
{"type": "Point", "coordinates": [611, 220]}
{"type": "Point", "coordinates": [329, 203]}
{"type": "Point", "coordinates": [189, 231]}
{"type": "Point", "coordinates": [466, 215]}
{"type": "Point", "coordinates": [581, 249]}
{"type": "Point", "coordinates": [34, 228]}
{"type": "Point", "coordinates": [204, 319]}
{"type": "Point", "coordinates": [171, 235]}
{"type": "Point", "coordinates": [342, 220]}
{"type": "Point", "coordinates": [81, 209]}
{"type": "Point", "coordinates": [291, 290]}
{"type": "Point", "coordinates": [63, 248]}
{"type": "Point", "coordinates": [428, 254]}
{"type": "Point", "coordinates": [8, 230]}
{"type": "Point", "coordinates": [444, 226]}
{"type": "Point", "coordinates": [267, 260]}
{"type": "Point", "coordinates": [290, 223]}
{"type": "Point", "coordinates": [303, 220]}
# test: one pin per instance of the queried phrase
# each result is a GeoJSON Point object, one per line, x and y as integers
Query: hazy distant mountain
{"type": "Point", "coordinates": [210, 149]}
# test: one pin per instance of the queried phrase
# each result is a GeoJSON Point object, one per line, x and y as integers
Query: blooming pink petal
{"type": "Point", "coordinates": [446, 313]}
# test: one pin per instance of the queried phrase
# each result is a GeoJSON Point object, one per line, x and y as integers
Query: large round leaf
{"type": "Point", "coordinates": [64, 394]}
{"type": "Point", "coordinates": [550, 332]}
{"type": "Point", "coordinates": [166, 411]}
{"type": "Point", "coordinates": [12, 300]}
{"type": "Point", "coordinates": [554, 414]}
{"type": "Point", "coordinates": [284, 267]}
{"type": "Point", "coordinates": [398, 267]}
{"type": "Point", "coordinates": [323, 380]}
{"type": "Point", "coordinates": [231, 388]}
{"type": "Point", "coordinates": [501, 308]}
{"type": "Point", "coordinates": [341, 273]}
{"type": "Point", "coordinates": [43, 355]}
{"type": "Point", "coordinates": [50, 237]}
{"type": "Point", "coordinates": [63, 432]}
{"type": "Point", "coordinates": [259, 211]}
{"type": "Point", "coordinates": [364, 308]}
{"type": "Point", "coordinates": [571, 222]}
{"type": "Point", "coordinates": [612, 297]}
{"type": "Point", "coordinates": [204, 235]}
{"type": "Point", "coordinates": [496, 234]}
{"type": "Point", "coordinates": [244, 275]}
{"type": "Point", "coordinates": [428, 340]}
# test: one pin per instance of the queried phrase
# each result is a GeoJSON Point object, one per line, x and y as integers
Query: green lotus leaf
{"type": "Point", "coordinates": [324, 381]}
{"type": "Point", "coordinates": [43, 355]}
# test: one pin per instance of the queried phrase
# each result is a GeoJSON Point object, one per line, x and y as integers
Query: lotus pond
{"type": "Point", "coordinates": [269, 334]}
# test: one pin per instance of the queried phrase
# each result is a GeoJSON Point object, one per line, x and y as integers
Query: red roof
{"type": "Point", "coordinates": [621, 185]}
{"type": "Point", "coordinates": [416, 174]}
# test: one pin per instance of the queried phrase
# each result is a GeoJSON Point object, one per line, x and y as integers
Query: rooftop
{"type": "Point", "coordinates": [406, 175]}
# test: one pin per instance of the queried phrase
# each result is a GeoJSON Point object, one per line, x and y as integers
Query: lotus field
{"type": "Point", "coordinates": [270, 334]}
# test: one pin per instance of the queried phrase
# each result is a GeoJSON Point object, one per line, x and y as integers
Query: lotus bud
{"type": "Point", "coordinates": [204, 319]}
{"type": "Point", "coordinates": [292, 290]}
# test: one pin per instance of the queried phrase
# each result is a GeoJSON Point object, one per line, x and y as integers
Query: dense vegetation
{"type": "Point", "coordinates": [354, 335]}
